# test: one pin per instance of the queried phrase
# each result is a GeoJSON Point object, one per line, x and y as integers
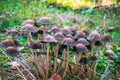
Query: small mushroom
{"type": "Point", "coordinates": [6, 43]}
{"type": "Point", "coordinates": [55, 30]}
{"type": "Point", "coordinates": [59, 36]}
{"type": "Point", "coordinates": [31, 22]}
{"type": "Point", "coordinates": [35, 45]}
{"type": "Point", "coordinates": [83, 41]}
{"type": "Point", "coordinates": [79, 35]}
{"type": "Point", "coordinates": [12, 51]}
{"type": "Point", "coordinates": [13, 33]}
{"type": "Point", "coordinates": [44, 21]}
{"type": "Point", "coordinates": [107, 38]}
{"type": "Point", "coordinates": [66, 31]}
{"type": "Point", "coordinates": [28, 29]}
{"type": "Point", "coordinates": [109, 53]}
{"type": "Point", "coordinates": [80, 48]}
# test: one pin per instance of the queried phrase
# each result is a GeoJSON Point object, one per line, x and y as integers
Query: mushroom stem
{"type": "Point", "coordinates": [47, 60]}
{"type": "Point", "coordinates": [31, 38]}
{"type": "Point", "coordinates": [44, 32]}
{"type": "Point", "coordinates": [66, 67]}
{"type": "Point", "coordinates": [28, 39]}
{"type": "Point", "coordinates": [93, 43]}
{"type": "Point", "coordinates": [64, 57]}
{"type": "Point", "coordinates": [56, 55]}
{"type": "Point", "coordinates": [79, 57]}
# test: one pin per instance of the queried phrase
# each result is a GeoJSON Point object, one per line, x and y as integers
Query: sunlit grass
{"type": "Point", "coordinates": [76, 4]}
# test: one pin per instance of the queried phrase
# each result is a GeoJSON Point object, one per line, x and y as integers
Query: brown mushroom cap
{"type": "Point", "coordinates": [93, 57]}
{"type": "Point", "coordinates": [35, 45]}
{"type": "Point", "coordinates": [86, 32]}
{"type": "Point", "coordinates": [94, 36]}
{"type": "Point", "coordinates": [11, 51]}
{"type": "Point", "coordinates": [66, 31]}
{"type": "Point", "coordinates": [31, 22]}
{"type": "Point", "coordinates": [55, 29]}
{"type": "Point", "coordinates": [81, 48]}
{"type": "Point", "coordinates": [6, 43]}
{"type": "Point", "coordinates": [45, 20]}
{"type": "Point", "coordinates": [83, 41]}
{"type": "Point", "coordinates": [13, 32]}
{"type": "Point", "coordinates": [58, 36]}
{"type": "Point", "coordinates": [109, 53]}
{"type": "Point", "coordinates": [70, 28]}
{"type": "Point", "coordinates": [68, 42]}
{"type": "Point", "coordinates": [49, 39]}
{"type": "Point", "coordinates": [107, 38]}
{"type": "Point", "coordinates": [28, 28]}
{"type": "Point", "coordinates": [80, 34]}
{"type": "Point", "coordinates": [69, 36]}
{"type": "Point", "coordinates": [99, 43]}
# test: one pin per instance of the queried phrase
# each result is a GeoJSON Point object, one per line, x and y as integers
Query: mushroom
{"type": "Point", "coordinates": [55, 30]}
{"type": "Point", "coordinates": [93, 37]}
{"type": "Point", "coordinates": [31, 22]}
{"type": "Point", "coordinates": [13, 33]}
{"type": "Point", "coordinates": [69, 36]}
{"type": "Point", "coordinates": [82, 41]}
{"type": "Point", "coordinates": [36, 45]}
{"type": "Point", "coordinates": [86, 32]}
{"type": "Point", "coordinates": [29, 29]}
{"type": "Point", "coordinates": [48, 39]}
{"type": "Point", "coordinates": [80, 48]}
{"type": "Point", "coordinates": [108, 54]}
{"type": "Point", "coordinates": [59, 36]}
{"type": "Point", "coordinates": [107, 38]}
{"type": "Point", "coordinates": [66, 31]}
{"type": "Point", "coordinates": [79, 35]}
{"type": "Point", "coordinates": [44, 21]}
{"type": "Point", "coordinates": [69, 42]}
{"type": "Point", "coordinates": [6, 43]}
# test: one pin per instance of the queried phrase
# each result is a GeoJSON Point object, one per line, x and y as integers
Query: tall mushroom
{"type": "Point", "coordinates": [93, 37]}
{"type": "Point", "coordinates": [69, 42]}
{"type": "Point", "coordinates": [36, 45]}
{"type": "Point", "coordinates": [44, 21]}
{"type": "Point", "coordinates": [28, 29]}
{"type": "Point", "coordinates": [48, 39]}
{"type": "Point", "coordinates": [58, 36]}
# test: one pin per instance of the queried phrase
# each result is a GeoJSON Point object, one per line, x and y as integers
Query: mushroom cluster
{"type": "Point", "coordinates": [57, 52]}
